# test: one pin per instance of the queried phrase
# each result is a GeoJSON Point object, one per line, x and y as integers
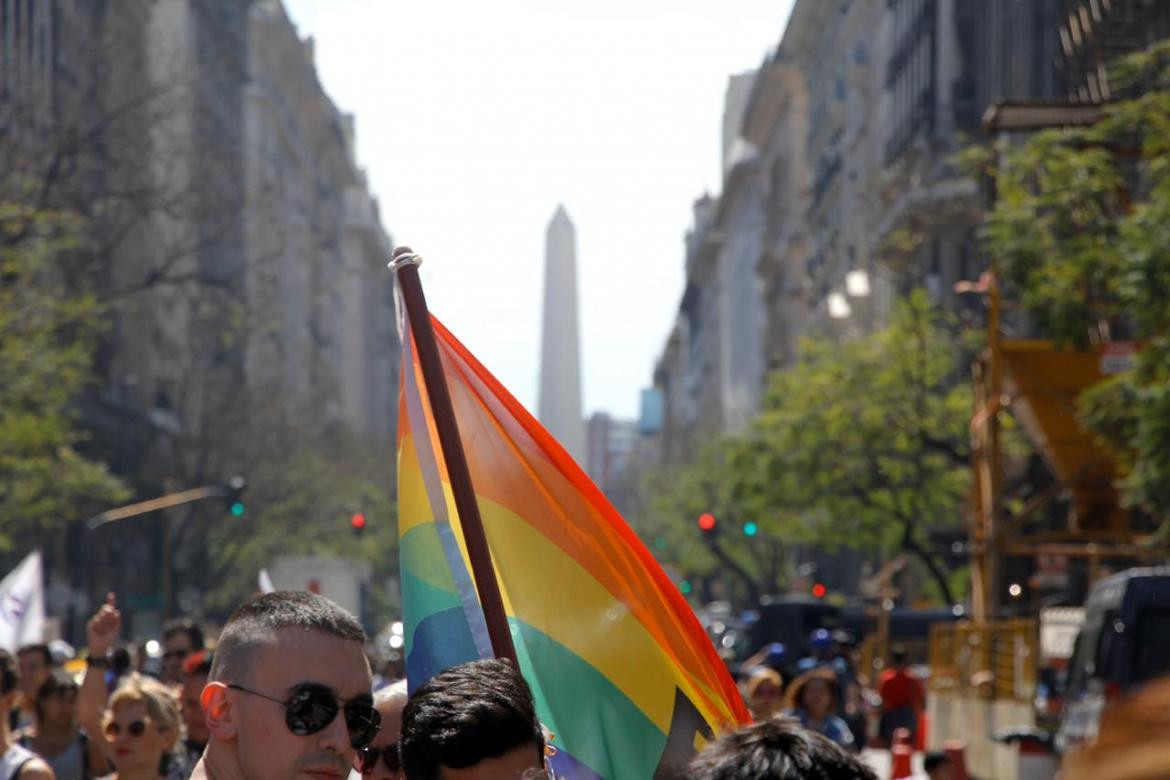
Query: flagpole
{"type": "Point", "coordinates": [405, 266]}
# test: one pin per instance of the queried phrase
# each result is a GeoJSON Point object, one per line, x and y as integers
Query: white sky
{"type": "Point", "coordinates": [475, 119]}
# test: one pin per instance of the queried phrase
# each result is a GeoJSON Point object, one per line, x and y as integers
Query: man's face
{"type": "Point", "coordinates": [33, 673]}
{"type": "Point", "coordinates": [387, 739]}
{"type": "Point", "coordinates": [176, 650]}
{"type": "Point", "coordinates": [266, 749]}
{"type": "Point", "coordinates": [60, 709]}
{"type": "Point", "coordinates": [521, 763]}
{"type": "Point", "coordinates": [193, 710]}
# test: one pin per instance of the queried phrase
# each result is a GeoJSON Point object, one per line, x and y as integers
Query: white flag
{"type": "Point", "coordinates": [22, 604]}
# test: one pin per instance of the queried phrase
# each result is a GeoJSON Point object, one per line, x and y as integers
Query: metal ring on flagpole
{"type": "Point", "coordinates": [403, 256]}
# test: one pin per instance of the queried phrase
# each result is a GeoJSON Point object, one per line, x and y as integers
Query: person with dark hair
{"type": "Point", "coordinates": [288, 692]}
{"type": "Point", "coordinates": [181, 637]}
{"type": "Point", "coordinates": [16, 762]}
{"type": "Point", "coordinates": [196, 672]}
{"type": "Point", "coordinates": [938, 766]}
{"type": "Point", "coordinates": [34, 664]}
{"type": "Point", "coordinates": [476, 720]}
{"type": "Point", "coordinates": [903, 698]}
{"type": "Point", "coordinates": [380, 760]}
{"type": "Point", "coordinates": [812, 700]}
{"type": "Point", "coordinates": [57, 736]}
{"type": "Point", "coordinates": [776, 749]}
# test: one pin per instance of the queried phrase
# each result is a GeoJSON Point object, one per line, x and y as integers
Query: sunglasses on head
{"type": "Point", "coordinates": [367, 758]}
{"type": "Point", "coordinates": [135, 728]}
{"type": "Point", "coordinates": [313, 707]}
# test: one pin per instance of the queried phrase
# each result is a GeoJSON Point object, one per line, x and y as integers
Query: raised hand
{"type": "Point", "coordinates": [103, 628]}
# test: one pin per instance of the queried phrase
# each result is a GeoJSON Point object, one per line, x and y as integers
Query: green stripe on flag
{"type": "Point", "coordinates": [595, 721]}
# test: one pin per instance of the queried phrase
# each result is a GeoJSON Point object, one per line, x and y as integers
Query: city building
{"type": "Point", "coordinates": [559, 401]}
{"type": "Point", "coordinates": [322, 335]}
{"type": "Point", "coordinates": [232, 236]}
{"type": "Point", "coordinates": [612, 446]}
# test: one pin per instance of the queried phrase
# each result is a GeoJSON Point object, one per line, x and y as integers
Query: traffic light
{"type": "Point", "coordinates": [357, 522]}
{"type": "Point", "coordinates": [685, 587]}
{"type": "Point", "coordinates": [750, 529]}
{"type": "Point", "coordinates": [707, 523]}
{"type": "Point", "coordinates": [819, 590]}
{"type": "Point", "coordinates": [233, 492]}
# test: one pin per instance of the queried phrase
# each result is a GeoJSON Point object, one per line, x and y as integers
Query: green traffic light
{"type": "Point", "coordinates": [685, 586]}
{"type": "Point", "coordinates": [238, 508]}
{"type": "Point", "coordinates": [750, 529]}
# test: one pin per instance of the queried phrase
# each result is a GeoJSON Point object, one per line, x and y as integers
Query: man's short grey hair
{"type": "Point", "coordinates": [256, 621]}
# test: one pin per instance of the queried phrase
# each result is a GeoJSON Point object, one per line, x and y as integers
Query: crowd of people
{"type": "Point", "coordinates": [265, 702]}
{"type": "Point", "coordinates": [287, 691]}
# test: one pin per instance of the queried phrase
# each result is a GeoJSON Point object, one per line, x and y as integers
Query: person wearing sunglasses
{"type": "Point", "coordinates": [141, 723]}
{"type": "Point", "coordinates": [182, 637]}
{"type": "Point", "coordinates": [379, 760]}
{"type": "Point", "coordinates": [474, 721]}
{"type": "Point", "coordinates": [289, 692]}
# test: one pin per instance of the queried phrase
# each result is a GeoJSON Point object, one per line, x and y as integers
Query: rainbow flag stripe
{"type": "Point", "coordinates": [623, 674]}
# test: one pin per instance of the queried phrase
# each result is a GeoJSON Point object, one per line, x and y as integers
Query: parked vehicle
{"type": "Point", "coordinates": [1124, 642]}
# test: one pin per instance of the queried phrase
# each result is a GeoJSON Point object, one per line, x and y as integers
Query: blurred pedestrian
{"type": "Point", "coordinates": [475, 720]}
{"type": "Point", "coordinates": [196, 672]}
{"type": "Point", "coordinates": [812, 700]}
{"type": "Point", "coordinates": [938, 766]}
{"type": "Point", "coordinates": [141, 724]}
{"type": "Point", "coordinates": [763, 692]}
{"type": "Point", "coordinates": [34, 663]}
{"type": "Point", "coordinates": [57, 736]}
{"type": "Point", "coordinates": [16, 762]}
{"type": "Point", "coordinates": [181, 637]}
{"type": "Point", "coordinates": [289, 691]}
{"type": "Point", "coordinates": [379, 760]}
{"type": "Point", "coordinates": [820, 643]}
{"type": "Point", "coordinates": [776, 749]}
{"type": "Point", "coordinates": [903, 698]}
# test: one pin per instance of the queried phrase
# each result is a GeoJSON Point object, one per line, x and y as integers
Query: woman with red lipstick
{"type": "Point", "coordinates": [141, 729]}
{"type": "Point", "coordinates": [142, 725]}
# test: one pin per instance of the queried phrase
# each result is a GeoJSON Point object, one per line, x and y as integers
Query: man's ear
{"type": "Point", "coordinates": [222, 720]}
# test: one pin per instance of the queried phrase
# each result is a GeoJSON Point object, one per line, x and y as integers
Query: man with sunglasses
{"type": "Point", "coordinates": [181, 637]}
{"type": "Point", "coordinates": [475, 721]}
{"type": "Point", "coordinates": [379, 761]}
{"type": "Point", "coordinates": [289, 692]}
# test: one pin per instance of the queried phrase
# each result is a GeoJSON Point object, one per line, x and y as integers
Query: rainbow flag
{"type": "Point", "coordinates": [623, 674]}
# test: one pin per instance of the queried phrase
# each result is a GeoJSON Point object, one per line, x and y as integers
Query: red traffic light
{"type": "Point", "coordinates": [819, 590]}
{"type": "Point", "coordinates": [358, 521]}
{"type": "Point", "coordinates": [707, 522]}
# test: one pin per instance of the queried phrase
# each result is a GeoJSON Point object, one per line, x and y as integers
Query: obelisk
{"type": "Point", "coordinates": [559, 407]}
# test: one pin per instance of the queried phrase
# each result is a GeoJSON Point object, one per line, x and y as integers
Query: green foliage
{"type": "Point", "coordinates": [1081, 227]}
{"type": "Point", "coordinates": [47, 338]}
{"type": "Point", "coordinates": [300, 501]}
{"type": "Point", "coordinates": [862, 444]}
{"type": "Point", "coordinates": [869, 439]}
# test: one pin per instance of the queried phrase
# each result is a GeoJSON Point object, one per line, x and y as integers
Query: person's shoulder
{"type": "Point", "coordinates": [36, 769]}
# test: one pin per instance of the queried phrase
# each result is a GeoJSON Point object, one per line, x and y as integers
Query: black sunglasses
{"type": "Point", "coordinates": [313, 707]}
{"type": "Point", "coordinates": [368, 758]}
{"type": "Point", "coordinates": [136, 728]}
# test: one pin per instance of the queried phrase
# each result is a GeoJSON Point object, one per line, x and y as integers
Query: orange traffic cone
{"type": "Point", "coordinates": [900, 764]}
{"type": "Point", "coordinates": [955, 751]}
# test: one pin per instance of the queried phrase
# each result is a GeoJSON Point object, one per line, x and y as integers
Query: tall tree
{"type": "Point", "coordinates": [868, 439]}
{"type": "Point", "coordinates": [1081, 226]}
{"type": "Point", "coordinates": [47, 335]}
